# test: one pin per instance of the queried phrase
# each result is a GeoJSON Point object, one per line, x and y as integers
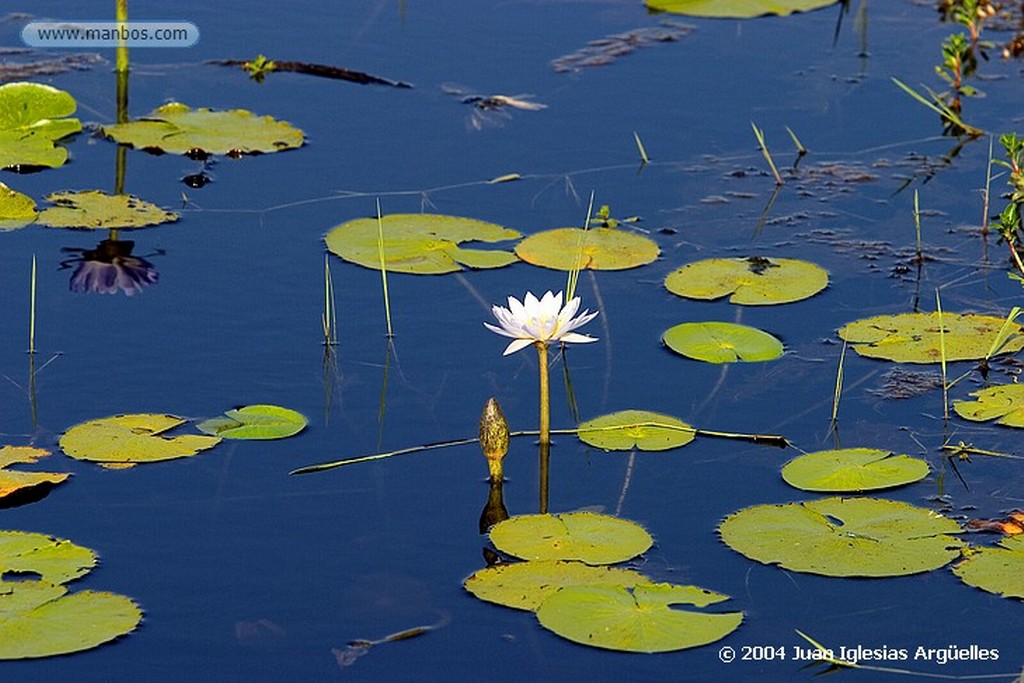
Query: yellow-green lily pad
{"type": "Point", "coordinates": [645, 618]}
{"type": "Point", "coordinates": [45, 558]}
{"type": "Point", "coordinates": [132, 438]}
{"type": "Point", "coordinates": [736, 9]}
{"type": "Point", "coordinates": [914, 337]}
{"type": "Point", "coordinates": [997, 569]}
{"type": "Point", "coordinates": [753, 281]}
{"type": "Point", "coordinates": [717, 342]}
{"type": "Point", "coordinates": [177, 129]}
{"type": "Point", "coordinates": [853, 469]}
{"type": "Point", "coordinates": [39, 619]}
{"type": "Point", "coordinates": [844, 537]}
{"type": "Point", "coordinates": [596, 248]}
{"type": "Point", "coordinates": [583, 536]}
{"type": "Point", "coordinates": [421, 243]}
{"type": "Point", "coordinates": [98, 210]}
{"type": "Point", "coordinates": [255, 422]}
{"type": "Point", "coordinates": [16, 209]}
{"type": "Point", "coordinates": [525, 585]}
{"type": "Point", "coordinates": [1005, 402]}
{"type": "Point", "coordinates": [15, 481]}
{"type": "Point", "coordinates": [642, 429]}
{"type": "Point", "coordinates": [32, 118]}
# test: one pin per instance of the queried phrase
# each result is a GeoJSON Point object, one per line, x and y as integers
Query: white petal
{"type": "Point", "coordinates": [576, 338]}
{"type": "Point", "coordinates": [503, 332]}
{"type": "Point", "coordinates": [517, 345]}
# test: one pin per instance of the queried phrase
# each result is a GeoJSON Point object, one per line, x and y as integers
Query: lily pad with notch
{"type": "Point", "coordinates": [16, 484]}
{"type": "Point", "coordinates": [420, 243]}
{"type": "Point", "coordinates": [718, 342]}
{"type": "Point", "coordinates": [42, 557]}
{"type": "Point", "coordinates": [258, 421]}
{"type": "Point", "coordinates": [641, 429]}
{"type": "Point", "coordinates": [33, 117]}
{"type": "Point", "coordinates": [915, 337]}
{"type": "Point", "coordinates": [736, 9]}
{"type": "Point", "coordinates": [525, 585]}
{"type": "Point", "coordinates": [596, 248]}
{"type": "Point", "coordinates": [131, 439]}
{"type": "Point", "coordinates": [755, 281]}
{"type": "Point", "coordinates": [868, 537]}
{"type": "Point", "coordinates": [97, 210]}
{"type": "Point", "coordinates": [998, 569]}
{"type": "Point", "coordinates": [583, 536]}
{"type": "Point", "coordinates": [853, 469]}
{"type": "Point", "coordinates": [1004, 402]}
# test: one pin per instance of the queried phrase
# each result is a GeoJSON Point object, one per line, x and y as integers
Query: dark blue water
{"type": "Point", "coordinates": [247, 574]}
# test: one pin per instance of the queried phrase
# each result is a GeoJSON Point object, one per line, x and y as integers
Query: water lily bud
{"type": "Point", "coordinates": [494, 437]}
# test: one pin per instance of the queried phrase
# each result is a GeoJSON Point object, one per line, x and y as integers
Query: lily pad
{"type": "Point", "coordinates": [853, 469]}
{"type": "Point", "coordinates": [525, 585]}
{"type": "Point", "coordinates": [255, 422]}
{"type": "Point", "coordinates": [48, 559]}
{"type": "Point", "coordinates": [16, 209]}
{"type": "Point", "coordinates": [14, 481]}
{"type": "Point", "coordinates": [1005, 402]}
{"type": "Point", "coordinates": [97, 210]}
{"type": "Point", "coordinates": [132, 439]}
{"type": "Point", "coordinates": [641, 619]}
{"type": "Point", "coordinates": [420, 243]}
{"type": "Point", "coordinates": [997, 570]}
{"type": "Point", "coordinates": [39, 619]}
{"type": "Point", "coordinates": [844, 537]}
{"type": "Point", "coordinates": [641, 429]}
{"type": "Point", "coordinates": [751, 281]}
{"type": "Point", "coordinates": [584, 536]}
{"type": "Point", "coordinates": [32, 118]}
{"type": "Point", "coordinates": [914, 337]}
{"type": "Point", "coordinates": [716, 342]}
{"type": "Point", "coordinates": [177, 129]}
{"type": "Point", "coordinates": [596, 248]}
{"type": "Point", "coordinates": [736, 9]}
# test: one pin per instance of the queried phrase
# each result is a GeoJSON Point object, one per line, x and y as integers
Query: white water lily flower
{"type": "Point", "coordinates": [544, 320]}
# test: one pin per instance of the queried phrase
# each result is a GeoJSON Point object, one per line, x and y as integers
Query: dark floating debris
{"type": "Point", "coordinates": [258, 69]}
{"type": "Point", "coordinates": [604, 51]}
{"type": "Point", "coordinates": [48, 66]}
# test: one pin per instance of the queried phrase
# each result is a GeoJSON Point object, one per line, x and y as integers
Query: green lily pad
{"type": "Point", "coordinates": [32, 118]}
{"type": "Point", "coordinates": [177, 129]}
{"type": "Point", "coordinates": [997, 570]}
{"type": "Point", "coordinates": [16, 481]}
{"type": "Point", "coordinates": [596, 248]}
{"type": "Point", "coordinates": [715, 342]}
{"type": "Point", "coordinates": [97, 210]}
{"type": "Point", "coordinates": [914, 337]}
{"type": "Point", "coordinates": [853, 469]}
{"type": "Point", "coordinates": [736, 9]}
{"type": "Point", "coordinates": [641, 619]}
{"type": "Point", "coordinates": [420, 243]}
{"type": "Point", "coordinates": [844, 537]}
{"type": "Point", "coordinates": [1005, 402]}
{"type": "Point", "coordinates": [255, 422]}
{"type": "Point", "coordinates": [51, 560]}
{"type": "Point", "coordinates": [39, 619]}
{"type": "Point", "coordinates": [16, 209]}
{"type": "Point", "coordinates": [525, 585]}
{"type": "Point", "coordinates": [584, 536]}
{"type": "Point", "coordinates": [132, 439]}
{"type": "Point", "coordinates": [751, 281]}
{"type": "Point", "coordinates": [641, 429]}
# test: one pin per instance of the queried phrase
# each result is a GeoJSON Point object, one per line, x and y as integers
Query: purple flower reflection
{"type": "Point", "coordinates": [110, 268]}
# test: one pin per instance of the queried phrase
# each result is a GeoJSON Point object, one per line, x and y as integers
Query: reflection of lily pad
{"type": "Point", "coordinates": [715, 342]}
{"type": "Point", "coordinates": [597, 248]}
{"type": "Point", "coordinates": [628, 429]}
{"type": "Point", "coordinates": [644, 619]}
{"type": "Point", "coordinates": [1005, 402]}
{"type": "Point", "coordinates": [584, 536]}
{"type": "Point", "coordinates": [751, 281]}
{"type": "Point", "coordinates": [996, 570]}
{"type": "Point", "coordinates": [16, 209]}
{"type": "Point", "coordinates": [844, 537]}
{"type": "Point", "coordinates": [420, 243]}
{"type": "Point", "coordinates": [31, 119]}
{"type": "Point", "coordinates": [95, 209]}
{"type": "Point", "coordinates": [853, 469]}
{"type": "Point", "coordinates": [48, 559]}
{"type": "Point", "coordinates": [40, 620]}
{"type": "Point", "coordinates": [132, 439]}
{"type": "Point", "coordinates": [736, 9]}
{"type": "Point", "coordinates": [914, 337]}
{"type": "Point", "coordinates": [15, 481]}
{"type": "Point", "coordinates": [255, 422]}
{"type": "Point", "coordinates": [177, 129]}
{"type": "Point", "coordinates": [525, 585]}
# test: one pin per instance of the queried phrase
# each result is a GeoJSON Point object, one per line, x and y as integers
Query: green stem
{"type": "Point", "coordinates": [545, 402]}
{"type": "Point", "coordinates": [121, 15]}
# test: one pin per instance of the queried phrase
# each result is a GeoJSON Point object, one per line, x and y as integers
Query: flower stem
{"type": "Point", "coordinates": [545, 403]}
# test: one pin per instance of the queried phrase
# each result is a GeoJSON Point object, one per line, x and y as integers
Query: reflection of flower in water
{"type": "Point", "coordinates": [111, 267]}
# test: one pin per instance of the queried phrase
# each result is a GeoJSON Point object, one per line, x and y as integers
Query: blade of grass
{"type": "Point", "coordinates": [574, 272]}
{"type": "Point", "coordinates": [32, 310]}
{"type": "Point", "coordinates": [839, 384]}
{"type": "Point", "coordinates": [759, 134]}
{"type": "Point", "coordinates": [942, 358]}
{"type": "Point", "coordinates": [938, 106]}
{"type": "Point", "coordinates": [640, 147]}
{"type": "Point", "coordinates": [383, 268]}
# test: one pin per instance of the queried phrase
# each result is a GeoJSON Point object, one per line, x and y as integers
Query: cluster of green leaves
{"type": "Point", "coordinates": [960, 58]}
